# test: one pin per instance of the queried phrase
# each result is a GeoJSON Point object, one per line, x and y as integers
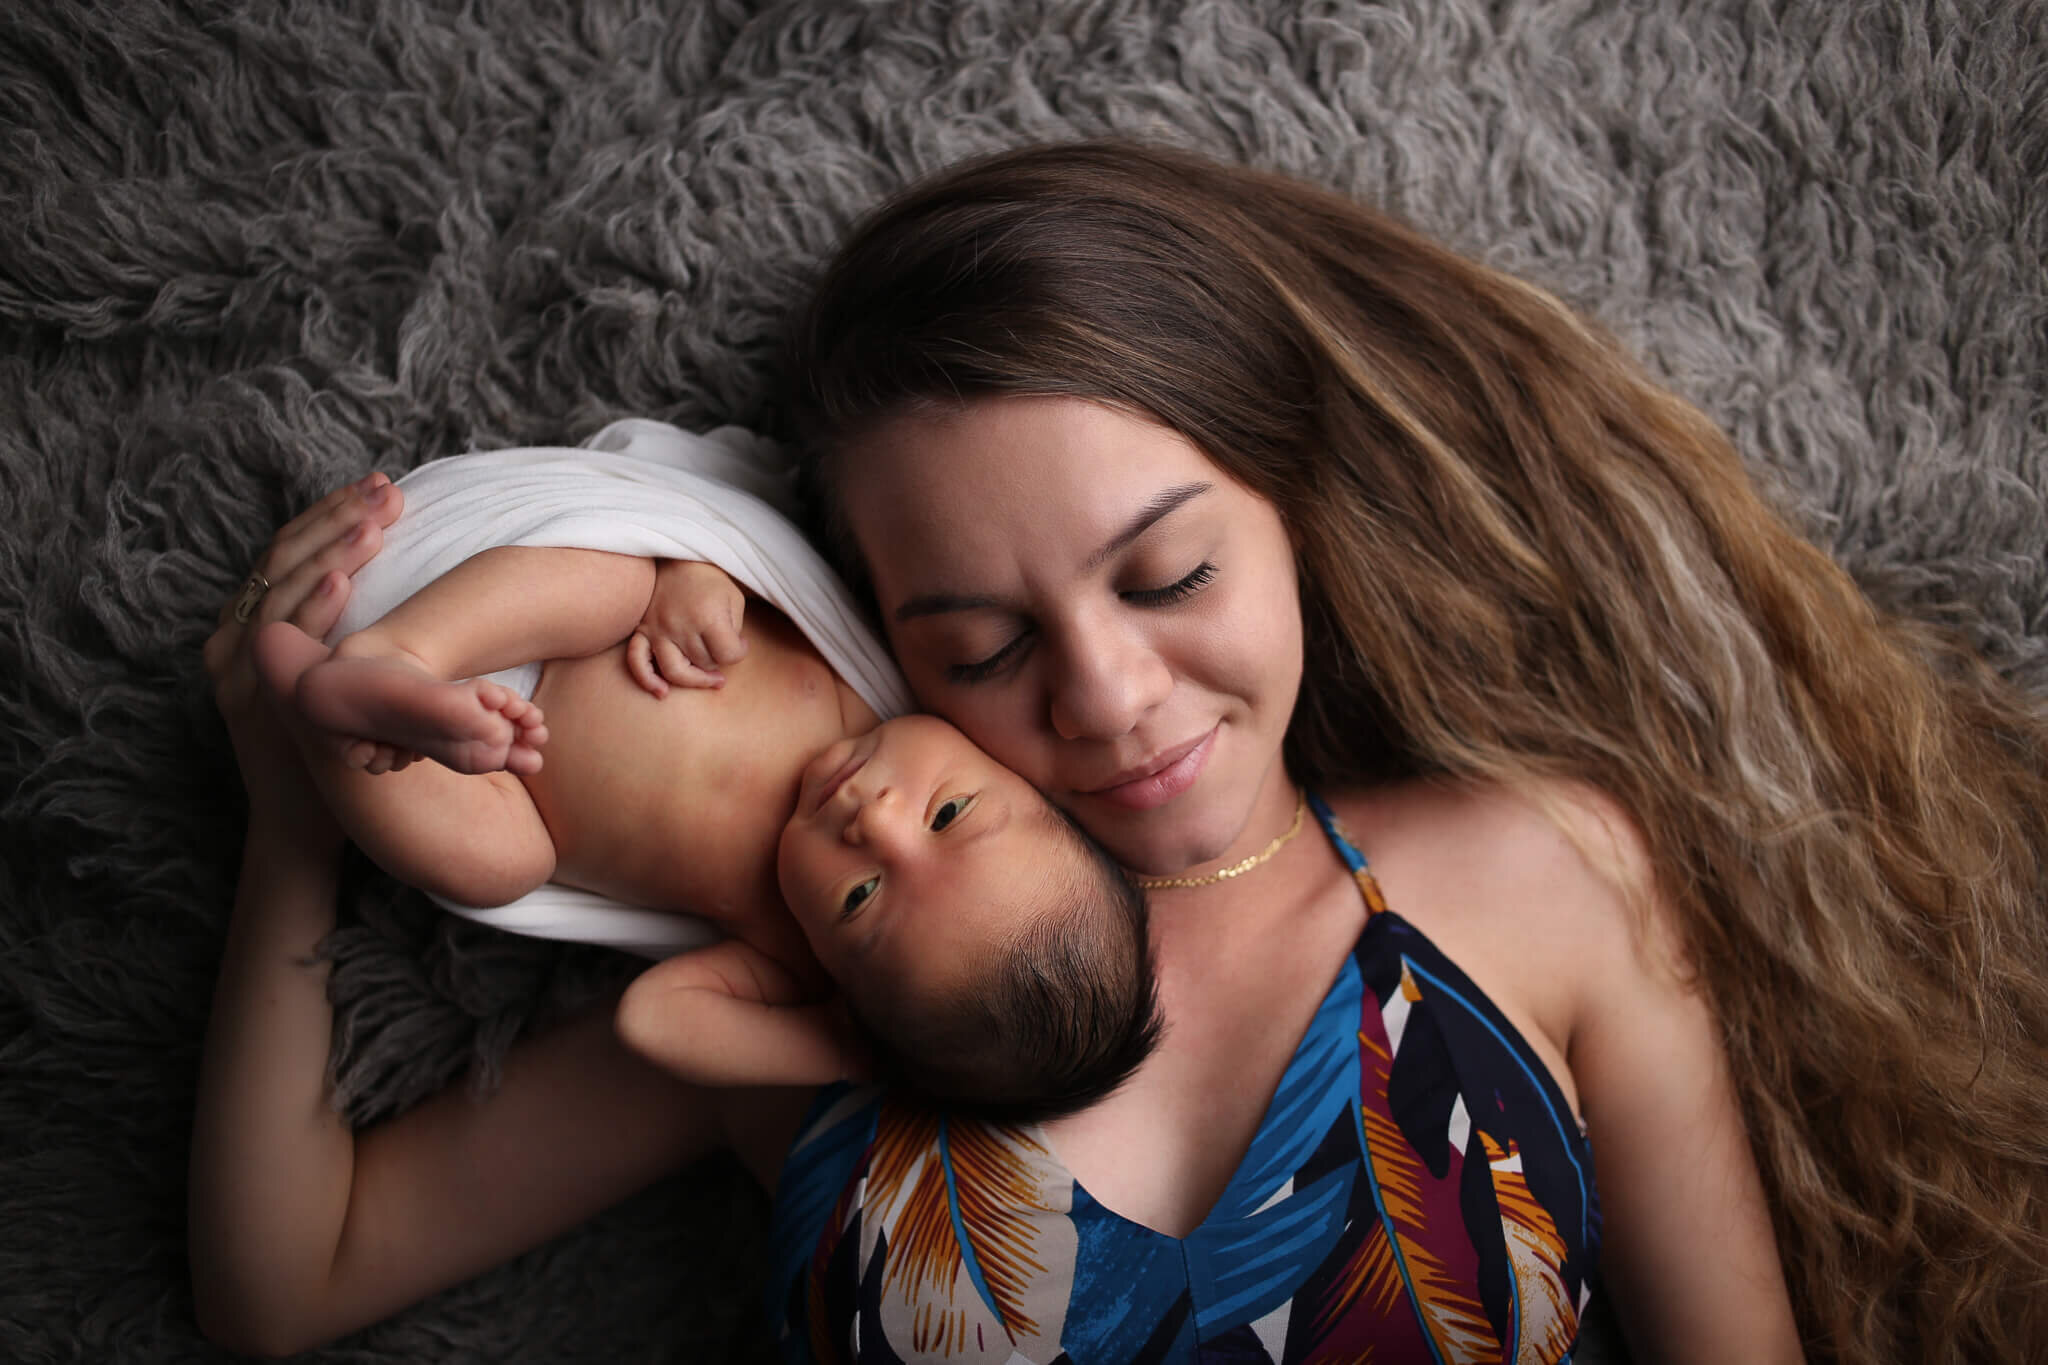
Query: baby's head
{"type": "Point", "coordinates": [995, 955]}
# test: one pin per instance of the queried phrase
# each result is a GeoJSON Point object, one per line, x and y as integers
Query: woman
{"type": "Point", "coordinates": [1176, 485]}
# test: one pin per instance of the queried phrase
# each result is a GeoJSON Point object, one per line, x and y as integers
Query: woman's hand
{"type": "Point", "coordinates": [307, 567]}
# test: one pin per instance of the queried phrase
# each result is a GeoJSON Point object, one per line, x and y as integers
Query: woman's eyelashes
{"type": "Point", "coordinates": [981, 670]}
{"type": "Point", "coordinates": [1179, 590]}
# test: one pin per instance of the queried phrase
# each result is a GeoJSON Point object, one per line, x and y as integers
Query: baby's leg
{"type": "Point", "coordinates": [475, 839]}
{"type": "Point", "coordinates": [380, 703]}
{"type": "Point", "coordinates": [393, 680]}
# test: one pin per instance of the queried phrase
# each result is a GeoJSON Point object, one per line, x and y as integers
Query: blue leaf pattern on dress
{"type": "Point", "coordinates": [1492, 1185]}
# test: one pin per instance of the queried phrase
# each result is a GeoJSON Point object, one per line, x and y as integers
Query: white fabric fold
{"type": "Point", "coordinates": [642, 488]}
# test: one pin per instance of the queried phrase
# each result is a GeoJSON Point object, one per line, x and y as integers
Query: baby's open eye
{"type": "Point", "coordinates": [859, 895]}
{"type": "Point", "coordinates": [950, 809]}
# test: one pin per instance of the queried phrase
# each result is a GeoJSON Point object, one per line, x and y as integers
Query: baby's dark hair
{"type": "Point", "coordinates": [1050, 1021]}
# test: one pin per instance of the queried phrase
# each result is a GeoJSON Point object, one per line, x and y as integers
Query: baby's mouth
{"type": "Point", "coordinates": [854, 761]}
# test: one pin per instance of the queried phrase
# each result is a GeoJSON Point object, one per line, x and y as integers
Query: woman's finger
{"type": "Point", "coordinates": [374, 498]}
{"type": "Point", "coordinates": [374, 502]}
{"type": "Point", "coordinates": [295, 596]}
{"type": "Point", "coordinates": [345, 554]}
{"type": "Point", "coordinates": [322, 607]}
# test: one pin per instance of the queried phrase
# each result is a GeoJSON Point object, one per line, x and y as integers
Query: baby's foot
{"type": "Point", "coordinates": [387, 707]}
{"type": "Point", "coordinates": [375, 758]}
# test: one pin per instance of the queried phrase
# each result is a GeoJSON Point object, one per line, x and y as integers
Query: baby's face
{"type": "Point", "coordinates": [911, 853]}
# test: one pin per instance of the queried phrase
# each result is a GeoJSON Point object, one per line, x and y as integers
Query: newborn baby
{"type": "Point", "coordinates": [990, 955]}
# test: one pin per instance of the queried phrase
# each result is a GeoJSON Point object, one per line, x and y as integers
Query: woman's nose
{"type": "Point", "coordinates": [1104, 681]}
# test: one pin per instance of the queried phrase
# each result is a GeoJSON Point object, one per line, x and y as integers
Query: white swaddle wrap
{"type": "Point", "coordinates": [639, 488]}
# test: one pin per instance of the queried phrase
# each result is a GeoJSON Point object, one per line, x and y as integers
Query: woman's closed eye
{"type": "Point", "coordinates": [1177, 591]}
{"type": "Point", "coordinates": [986, 667]}
{"type": "Point", "coordinates": [989, 665]}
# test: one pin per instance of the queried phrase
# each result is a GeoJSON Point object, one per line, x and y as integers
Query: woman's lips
{"type": "Point", "coordinates": [1174, 774]}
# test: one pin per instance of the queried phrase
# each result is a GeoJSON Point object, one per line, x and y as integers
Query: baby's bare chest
{"type": "Point", "coordinates": [677, 802]}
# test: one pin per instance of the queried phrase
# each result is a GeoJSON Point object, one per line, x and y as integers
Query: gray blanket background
{"type": "Point", "coordinates": [251, 250]}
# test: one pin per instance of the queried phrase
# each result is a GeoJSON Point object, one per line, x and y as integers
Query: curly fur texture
{"type": "Point", "coordinates": [250, 251]}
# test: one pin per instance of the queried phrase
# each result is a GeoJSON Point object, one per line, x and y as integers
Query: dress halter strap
{"type": "Point", "coordinates": [1368, 885]}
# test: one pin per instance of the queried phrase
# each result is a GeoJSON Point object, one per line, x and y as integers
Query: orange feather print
{"type": "Point", "coordinates": [1421, 1211]}
{"type": "Point", "coordinates": [1548, 1322]}
{"type": "Point", "coordinates": [979, 1248]}
{"type": "Point", "coordinates": [1366, 1316]}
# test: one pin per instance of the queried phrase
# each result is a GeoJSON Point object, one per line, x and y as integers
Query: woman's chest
{"type": "Point", "coordinates": [1240, 1011]}
{"type": "Point", "coordinates": [1410, 1194]}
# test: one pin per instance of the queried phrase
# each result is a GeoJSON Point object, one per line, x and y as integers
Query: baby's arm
{"type": "Point", "coordinates": [511, 605]}
{"type": "Point", "coordinates": [691, 628]}
{"type": "Point", "coordinates": [729, 1015]}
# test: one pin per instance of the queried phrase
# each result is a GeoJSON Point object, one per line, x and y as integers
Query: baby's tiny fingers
{"type": "Point", "coordinates": [696, 650]}
{"type": "Point", "coordinates": [678, 669]}
{"type": "Point", "coordinates": [675, 663]}
{"type": "Point", "coordinates": [723, 644]}
{"type": "Point", "coordinates": [640, 663]}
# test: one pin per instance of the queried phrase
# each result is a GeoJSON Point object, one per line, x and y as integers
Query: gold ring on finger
{"type": "Point", "coordinates": [252, 593]}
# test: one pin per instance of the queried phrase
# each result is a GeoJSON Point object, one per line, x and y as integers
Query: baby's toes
{"type": "Point", "coordinates": [383, 758]}
{"type": "Point", "coordinates": [504, 701]}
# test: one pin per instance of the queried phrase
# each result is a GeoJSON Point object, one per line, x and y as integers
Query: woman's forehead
{"type": "Point", "coordinates": [1016, 472]}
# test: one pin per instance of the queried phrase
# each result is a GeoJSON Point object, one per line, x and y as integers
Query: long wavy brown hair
{"type": "Point", "coordinates": [1522, 560]}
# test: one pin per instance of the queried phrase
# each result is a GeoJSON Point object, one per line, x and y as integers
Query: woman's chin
{"type": "Point", "coordinates": [1163, 847]}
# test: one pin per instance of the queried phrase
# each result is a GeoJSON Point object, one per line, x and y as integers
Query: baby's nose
{"type": "Point", "coordinates": [871, 817]}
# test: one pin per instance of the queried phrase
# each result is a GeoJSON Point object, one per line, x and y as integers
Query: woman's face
{"type": "Point", "coordinates": [1097, 605]}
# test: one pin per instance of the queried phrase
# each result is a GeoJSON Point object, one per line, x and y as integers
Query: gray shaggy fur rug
{"type": "Point", "coordinates": [251, 250]}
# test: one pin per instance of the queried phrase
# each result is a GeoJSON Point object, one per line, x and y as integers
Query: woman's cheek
{"type": "Point", "coordinates": [999, 717]}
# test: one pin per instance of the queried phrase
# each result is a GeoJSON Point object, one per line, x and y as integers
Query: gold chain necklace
{"type": "Point", "coordinates": [1237, 869]}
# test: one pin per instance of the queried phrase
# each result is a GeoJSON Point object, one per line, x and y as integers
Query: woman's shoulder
{"type": "Point", "coordinates": [1545, 892]}
{"type": "Point", "coordinates": [1557, 829]}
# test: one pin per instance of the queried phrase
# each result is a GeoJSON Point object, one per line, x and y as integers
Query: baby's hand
{"type": "Point", "coordinates": [691, 629]}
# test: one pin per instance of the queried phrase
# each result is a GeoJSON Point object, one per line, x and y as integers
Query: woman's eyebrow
{"type": "Point", "coordinates": [939, 603]}
{"type": "Point", "coordinates": [1147, 516]}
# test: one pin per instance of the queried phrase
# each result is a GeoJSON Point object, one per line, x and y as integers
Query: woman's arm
{"type": "Point", "coordinates": [1687, 1247]}
{"type": "Point", "coordinates": [301, 1230]}
{"type": "Point", "coordinates": [729, 1015]}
